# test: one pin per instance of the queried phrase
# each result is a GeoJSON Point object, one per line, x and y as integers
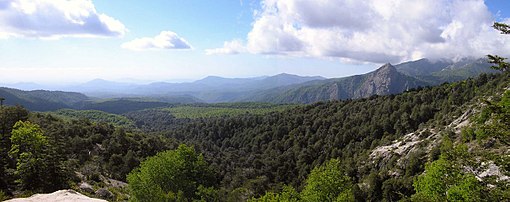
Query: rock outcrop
{"type": "Point", "coordinates": [58, 196]}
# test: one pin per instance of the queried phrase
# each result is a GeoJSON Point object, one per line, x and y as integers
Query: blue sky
{"type": "Point", "coordinates": [56, 41]}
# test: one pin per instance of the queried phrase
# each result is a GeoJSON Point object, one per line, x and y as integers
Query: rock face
{"type": "Point", "coordinates": [86, 187]}
{"type": "Point", "coordinates": [388, 79]}
{"type": "Point", "coordinates": [58, 196]}
{"type": "Point", "coordinates": [385, 80]}
{"type": "Point", "coordinates": [104, 193]}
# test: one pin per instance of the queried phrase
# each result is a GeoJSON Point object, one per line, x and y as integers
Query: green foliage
{"type": "Point", "coordinates": [96, 150]}
{"type": "Point", "coordinates": [432, 185]}
{"type": "Point", "coordinates": [27, 147]}
{"type": "Point", "coordinates": [123, 105]}
{"type": "Point", "coordinates": [41, 100]}
{"type": "Point", "coordinates": [26, 138]}
{"type": "Point", "coordinates": [468, 188]}
{"type": "Point", "coordinates": [170, 175]}
{"type": "Point", "coordinates": [154, 120]}
{"type": "Point", "coordinates": [327, 183]}
{"type": "Point", "coordinates": [501, 65]}
{"type": "Point", "coordinates": [268, 197]}
{"type": "Point", "coordinates": [8, 117]}
{"type": "Point", "coordinates": [499, 62]}
{"type": "Point", "coordinates": [254, 153]}
{"type": "Point", "coordinates": [445, 180]}
{"type": "Point", "coordinates": [494, 120]}
{"type": "Point", "coordinates": [283, 147]}
{"type": "Point", "coordinates": [221, 110]}
{"type": "Point", "coordinates": [468, 134]}
{"type": "Point", "coordinates": [504, 28]}
{"type": "Point", "coordinates": [208, 194]}
{"type": "Point", "coordinates": [494, 59]}
{"type": "Point", "coordinates": [3, 197]}
{"type": "Point", "coordinates": [288, 194]}
{"type": "Point", "coordinates": [96, 116]}
{"type": "Point", "coordinates": [37, 165]}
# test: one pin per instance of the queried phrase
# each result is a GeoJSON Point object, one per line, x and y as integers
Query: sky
{"type": "Point", "coordinates": [69, 41]}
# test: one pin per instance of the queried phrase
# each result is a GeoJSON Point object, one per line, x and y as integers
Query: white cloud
{"type": "Point", "coordinates": [376, 31]}
{"type": "Point", "coordinates": [235, 46]}
{"type": "Point", "coordinates": [55, 19]}
{"type": "Point", "coordinates": [165, 40]}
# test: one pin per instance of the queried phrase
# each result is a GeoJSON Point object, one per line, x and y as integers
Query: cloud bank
{"type": "Point", "coordinates": [165, 40]}
{"type": "Point", "coordinates": [375, 31]}
{"type": "Point", "coordinates": [229, 48]}
{"type": "Point", "coordinates": [55, 19]}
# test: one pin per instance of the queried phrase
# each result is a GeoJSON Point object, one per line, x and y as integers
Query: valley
{"type": "Point", "coordinates": [254, 101]}
{"type": "Point", "coordinates": [253, 149]}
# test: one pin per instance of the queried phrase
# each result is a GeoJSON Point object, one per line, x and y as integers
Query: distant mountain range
{"type": "Point", "coordinates": [218, 89]}
{"type": "Point", "coordinates": [388, 79]}
{"type": "Point", "coordinates": [281, 88]}
{"type": "Point", "coordinates": [117, 97]}
{"type": "Point", "coordinates": [383, 81]}
{"type": "Point", "coordinates": [41, 100]}
{"type": "Point", "coordinates": [440, 71]}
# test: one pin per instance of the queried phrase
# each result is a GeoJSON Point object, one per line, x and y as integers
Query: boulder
{"type": "Point", "coordinates": [86, 187]}
{"type": "Point", "coordinates": [58, 196]}
{"type": "Point", "coordinates": [104, 193]}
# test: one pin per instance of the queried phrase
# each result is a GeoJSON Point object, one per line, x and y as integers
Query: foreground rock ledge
{"type": "Point", "coordinates": [58, 196]}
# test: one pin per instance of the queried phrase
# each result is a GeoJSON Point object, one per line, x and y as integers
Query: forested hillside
{"type": "Point", "coordinates": [95, 116]}
{"type": "Point", "coordinates": [387, 79]}
{"type": "Point", "coordinates": [41, 100]}
{"type": "Point", "coordinates": [444, 70]}
{"type": "Point", "coordinates": [259, 155]}
{"type": "Point", "coordinates": [383, 81]}
{"type": "Point", "coordinates": [281, 88]}
{"type": "Point", "coordinates": [255, 101]}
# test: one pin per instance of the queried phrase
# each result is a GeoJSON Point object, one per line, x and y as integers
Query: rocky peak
{"type": "Point", "coordinates": [383, 81]}
{"type": "Point", "coordinates": [386, 68]}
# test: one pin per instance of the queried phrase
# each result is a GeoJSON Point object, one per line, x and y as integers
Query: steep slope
{"type": "Point", "coordinates": [464, 69]}
{"type": "Point", "coordinates": [439, 71]}
{"type": "Point", "coordinates": [474, 145]}
{"type": "Point", "coordinates": [284, 147]}
{"type": "Point", "coordinates": [41, 100]}
{"type": "Point", "coordinates": [422, 67]}
{"type": "Point", "coordinates": [253, 154]}
{"type": "Point", "coordinates": [385, 80]}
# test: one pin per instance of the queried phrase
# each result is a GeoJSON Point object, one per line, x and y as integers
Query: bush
{"type": "Point", "coordinates": [170, 175]}
{"type": "Point", "coordinates": [3, 197]}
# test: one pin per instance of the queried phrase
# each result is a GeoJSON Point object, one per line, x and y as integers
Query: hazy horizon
{"type": "Point", "coordinates": [144, 82]}
{"type": "Point", "coordinates": [66, 42]}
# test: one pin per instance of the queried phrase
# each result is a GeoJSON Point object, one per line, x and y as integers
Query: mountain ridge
{"type": "Point", "coordinates": [385, 80]}
{"type": "Point", "coordinates": [388, 79]}
{"type": "Point", "coordinates": [286, 88]}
